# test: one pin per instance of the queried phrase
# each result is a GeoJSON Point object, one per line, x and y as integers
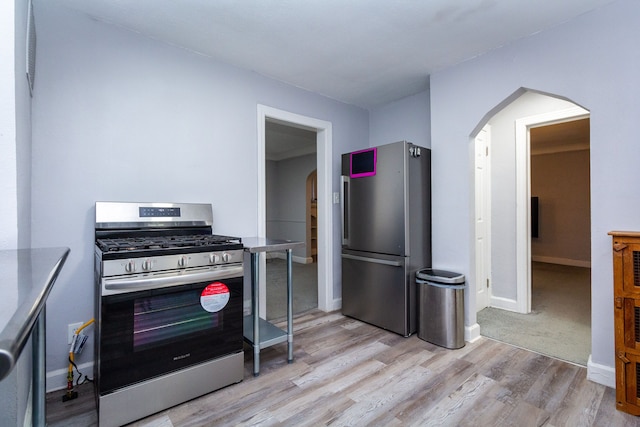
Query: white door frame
{"type": "Point", "coordinates": [324, 145]}
{"type": "Point", "coordinates": [523, 195]}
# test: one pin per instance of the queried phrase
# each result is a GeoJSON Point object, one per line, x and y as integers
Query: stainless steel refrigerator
{"type": "Point", "coordinates": [386, 233]}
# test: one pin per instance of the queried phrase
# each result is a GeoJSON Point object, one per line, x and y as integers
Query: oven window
{"type": "Point", "coordinates": [150, 333]}
{"type": "Point", "coordinates": [166, 318]}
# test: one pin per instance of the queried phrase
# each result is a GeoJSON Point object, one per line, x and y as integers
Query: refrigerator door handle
{"type": "Point", "coordinates": [373, 260]}
{"type": "Point", "coordinates": [345, 181]}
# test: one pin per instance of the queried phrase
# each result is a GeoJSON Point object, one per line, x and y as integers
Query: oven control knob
{"type": "Point", "coordinates": [226, 257]}
{"type": "Point", "coordinates": [214, 258]}
{"type": "Point", "coordinates": [130, 266]}
{"type": "Point", "coordinates": [147, 264]}
{"type": "Point", "coordinates": [182, 261]}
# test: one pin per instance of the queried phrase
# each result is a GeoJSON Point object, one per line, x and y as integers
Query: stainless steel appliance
{"type": "Point", "coordinates": [168, 308]}
{"type": "Point", "coordinates": [386, 233]}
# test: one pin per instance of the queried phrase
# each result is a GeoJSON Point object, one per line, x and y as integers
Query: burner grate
{"type": "Point", "coordinates": [163, 242]}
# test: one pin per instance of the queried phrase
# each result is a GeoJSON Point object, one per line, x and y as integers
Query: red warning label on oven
{"type": "Point", "coordinates": [214, 297]}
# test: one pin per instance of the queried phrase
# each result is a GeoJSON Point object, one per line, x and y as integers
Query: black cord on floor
{"type": "Point", "coordinates": [80, 375]}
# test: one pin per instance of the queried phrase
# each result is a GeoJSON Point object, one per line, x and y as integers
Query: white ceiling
{"type": "Point", "coordinates": [361, 52]}
{"type": "Point", "coordinates": [559, 137]}
{"type": "Point", "coordinates": [283, 141]}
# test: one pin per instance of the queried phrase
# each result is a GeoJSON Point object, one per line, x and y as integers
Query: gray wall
{"type": "Point", "coordinates": [121, 117]}
{"type": "Point", "coordinates": [23, 128]}
{"type": "Point", "coordinates": [8, 142]}
{"type": "Point", "coordinates": [15, 180]}
{"type": "Point", "coordinates": [404, 120]}
{"type": "Point", "coordinates": [592, 60]}
{"type": "Point", "coordinates": [286, 199]}
{"type": "Point", "coordinates": [15, 128]}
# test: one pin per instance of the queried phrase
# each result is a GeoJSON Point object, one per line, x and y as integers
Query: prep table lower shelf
{"type": "Point", "coordinates": [269, 333]}
{"type": "Point", "coordinates": [257, 331]}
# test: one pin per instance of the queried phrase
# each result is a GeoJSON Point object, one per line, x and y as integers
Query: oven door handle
{"type": "Point", "coordinates": [122, 285]}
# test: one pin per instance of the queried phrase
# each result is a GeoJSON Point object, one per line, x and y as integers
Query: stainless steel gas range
{"type": "Point", "coordinates": [168, 308]}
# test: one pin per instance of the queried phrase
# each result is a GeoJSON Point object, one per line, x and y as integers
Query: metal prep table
{"type": "Point", "coordinates": [257, 331]}
{"type": "Point", "coordinates": [28, 276]}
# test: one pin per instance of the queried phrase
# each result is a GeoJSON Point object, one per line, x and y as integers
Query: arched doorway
{"type": "Point", "coordinates": [510, 157]}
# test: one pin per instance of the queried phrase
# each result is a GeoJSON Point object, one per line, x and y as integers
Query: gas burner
{"type": "Point", "coordinates": [164, 242]}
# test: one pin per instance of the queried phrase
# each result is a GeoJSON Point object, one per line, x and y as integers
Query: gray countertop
{"type": "Point", "coordinates": [26, 278]}
{"type": "Point", "coordinates": [264, 244]}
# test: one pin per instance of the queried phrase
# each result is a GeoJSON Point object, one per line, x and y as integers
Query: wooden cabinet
{"type": "Point", "coordinates": [313, 231]}
{"type": "Point", "coordinates": [626, 284]}
{"type": "Point", "coordinates": [312, 216]}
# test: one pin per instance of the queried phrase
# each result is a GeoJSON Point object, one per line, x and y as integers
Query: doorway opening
{"type": "Point", "coordinates": [323, 149]}
{"type": "Point", "coordinates": [291, 202]}
{"type": "Point", "coordinates": [546, 152]}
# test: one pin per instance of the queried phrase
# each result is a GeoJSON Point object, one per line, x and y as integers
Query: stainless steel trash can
{"type": "Point", "coordinates": [441, 307]}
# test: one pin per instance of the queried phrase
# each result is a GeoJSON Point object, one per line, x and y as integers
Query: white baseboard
{"type": "Point", "coordinates": [472, 333]}
{"type": "Point", "coordinates": [57, 380]}
{"type": "Point", "coordinates": [561, 261]}
{"type": "Point", "coordinates": [294, 258]}
{"type": "Point", "coordinates": [504, 303]}
{"type": "Point", "coordinates": [337, 304]}
{"type": "Point", "coordinates": [601, 374]}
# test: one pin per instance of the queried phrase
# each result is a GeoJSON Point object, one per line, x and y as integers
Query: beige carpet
{"type": "Point", "coordinates": [560, 322]}
{"type": "Point", "coordinates": [305, 288]}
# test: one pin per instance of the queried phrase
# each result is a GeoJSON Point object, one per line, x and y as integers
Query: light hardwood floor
{"type": "Point", "coordinates": [346, 372]}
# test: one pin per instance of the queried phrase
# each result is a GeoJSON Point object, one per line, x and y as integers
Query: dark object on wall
{"type": "Point", "coordinates": [534, 217]}
{"type": "Point", "coordinates": [31, 48]}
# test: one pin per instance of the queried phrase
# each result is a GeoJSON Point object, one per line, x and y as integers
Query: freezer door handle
{"type": "Point", "coordinates": [373, 260]}
{"type": "Point", "coordinates": [344, 201]}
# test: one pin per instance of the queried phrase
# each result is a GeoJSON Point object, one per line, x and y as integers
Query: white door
{"type": "Point", "coordinates": [482, 217]}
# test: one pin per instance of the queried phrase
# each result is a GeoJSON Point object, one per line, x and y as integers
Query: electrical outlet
{"type": "Point", "coordinates": [71, 330]}
{"type": "Point", "coordinates": [336, 198]}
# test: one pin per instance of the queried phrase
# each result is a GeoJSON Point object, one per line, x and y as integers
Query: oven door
{"type": "Point", "coordinates": [145, 334]}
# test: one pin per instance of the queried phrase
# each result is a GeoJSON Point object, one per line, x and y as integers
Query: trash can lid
{"type": "Point", "coordinates": [440, 276]}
